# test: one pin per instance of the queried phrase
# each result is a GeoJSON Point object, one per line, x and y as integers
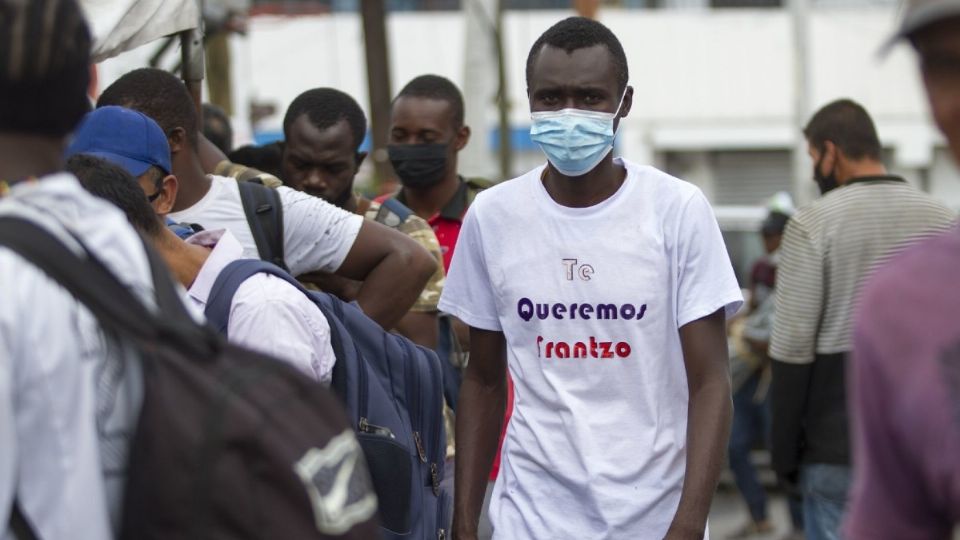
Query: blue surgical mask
{"type": "Point", "coordinates": [574, 140]}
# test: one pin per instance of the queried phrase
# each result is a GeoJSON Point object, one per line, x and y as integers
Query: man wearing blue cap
{"type": "Point", "coordinates": [133, 141]}
{"type": "Point", "coordinates": [267, 314]}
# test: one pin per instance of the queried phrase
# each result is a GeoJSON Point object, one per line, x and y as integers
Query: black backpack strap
{"type": "Point", "coordinates": [22, 530]}
{"type": "Point", "coordinates": [90, 282]}
{"type": "Point", "coordinates": [264, 211]}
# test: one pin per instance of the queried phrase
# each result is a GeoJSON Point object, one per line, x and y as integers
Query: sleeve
{"type": "Point", "coordinates": [468, 292]}
{"type": "Point", "coordinates": [788, 401]}
{"type": "Point", "coordinates": [706, 281]}
{"type": "Point", "coordinates": [8, 450]}
{"type": "Point", "coordinates": [887, 501]}
{"type": "Point", "coordinates": [799, 297]}
{"type": "Point", "coordinates": [270, 316]}
{"type": "Point", "coordinates": [419, 230]}
{"type": "Point", "coordinates": [317, 236]}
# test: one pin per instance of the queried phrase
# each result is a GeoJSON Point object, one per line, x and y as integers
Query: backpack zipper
{"type": "Point", "coordinates": [419, 443]}
{"type": "Point", "coordinates": [366, 427]}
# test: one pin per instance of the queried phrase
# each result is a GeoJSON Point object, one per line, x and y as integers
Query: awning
{"type": "Point", "coordinates": [121, 25]}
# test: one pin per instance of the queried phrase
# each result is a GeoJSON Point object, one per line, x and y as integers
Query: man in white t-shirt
{"type": "Point", "coordinates": [317, 236]}
{"type": "Point", "coordinates": [603, 285]}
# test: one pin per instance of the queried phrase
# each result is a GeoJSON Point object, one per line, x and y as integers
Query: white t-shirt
{"type": "Point", "coordinates": [590, 301]}
{"type": "Point", "coordinates": [316, 235]}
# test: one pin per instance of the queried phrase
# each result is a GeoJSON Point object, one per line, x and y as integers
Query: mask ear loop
{"type": "Point", "coordinates": [616, 115]}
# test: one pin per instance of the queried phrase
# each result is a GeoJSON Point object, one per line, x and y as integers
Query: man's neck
{"type": "Point", "coordinates": [29, 156]}
{"type": "Point", "coordinates": [428, 202]}
{"type": "Point", "coordinates": [584, 191]}
{"type": "Point", "coordinates": [863, 169]}
{"type": "Point", "coordinates": [193, 182]}
{"type": "Point", "coordinates": [185, 260]}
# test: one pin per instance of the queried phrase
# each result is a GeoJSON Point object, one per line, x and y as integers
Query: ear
{"type": "Point", "coordinates": [164, 203]}
{"type": "Point", "coordinates": [831, 157]}
{"type": "Point", "coordinates": [178, 140]}
{"type": "Point", "coordinates": [360, 157]}
{"type": "Point", "coordinates": [462, 138]}
{"type": "Point", "coordinates": [627, 102]}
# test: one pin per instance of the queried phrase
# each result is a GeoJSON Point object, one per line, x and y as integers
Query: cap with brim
{"type": "Point", "coordinates": [134, 166]}
{"type": "Point", "coordinates": [124, 137]}
{"type": "Point", "coordinates": [918, 14]}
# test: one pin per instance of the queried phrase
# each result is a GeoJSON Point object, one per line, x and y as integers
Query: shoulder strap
{"type": "Point", "coordinates": [229, 280]}
{"type": "Point", "coordinates": [264, 212]}
{"type": "Point", "coordinates": [90, 282]}
{"type": "Point", "coordinates": [22, 530]}
{"type": "Point", "coordinates": [397, 207]}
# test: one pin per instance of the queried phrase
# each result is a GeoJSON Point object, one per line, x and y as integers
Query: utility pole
{"type": "Point", "coordinates": [802, 172]}
{"type": "Point", "coordinates": [193, 70]}
{"type": "Point", "coordinates": [374, 17]}
{"type": "Point", "coordinates": [503, 98]}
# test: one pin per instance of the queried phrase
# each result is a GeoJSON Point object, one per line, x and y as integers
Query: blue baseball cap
{"type": "Point", "coordinates": [124, 137]}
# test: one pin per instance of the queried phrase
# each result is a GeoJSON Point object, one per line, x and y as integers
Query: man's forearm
{"type": "Point", "coordinates": [708, 430]}
{"type": "Point", "coordinates": [391, 288]}
{"type": "Point", "coordinates": [479, 421]}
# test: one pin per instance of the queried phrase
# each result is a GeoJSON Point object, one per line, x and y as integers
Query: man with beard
{"type": "Point", "coordinates": [829, 248]}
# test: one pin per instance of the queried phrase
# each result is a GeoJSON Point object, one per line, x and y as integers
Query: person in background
{"type": "Point", "coordinates": [323, 130]}
{"type": "Point", "coordinates": [829, 249]}
{"type": "Point", "coordinates": [217, 128]}
{"type": "Point", "coordinates": [316, 235]}
{"type": "Point", "coordinates": [70, 392]}
{"type": "Point", "coordinates": [750, 373]}
{"type": "Point", "coordinates": [905, 369]}
{"type": "Point", "coordinates": [267, 158]}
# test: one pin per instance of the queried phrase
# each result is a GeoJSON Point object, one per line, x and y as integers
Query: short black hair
{"type": "Point", "coordinates": [217, 128]}
{"type": "Point", "coordinates": [325, 107]}
{"type": "Point", "coordinates": [157, 94]}
{"type": "Point", "coordinates": [439, 88]}
{"type": "Point", "coordinates": [113, 183]}
{"type": "Point", "coordinates": [267, 158]}
{"type": "Point", "coordinates": [846, 124]}
{"type": "Point", "coordinates": [44, 66]}
{"type": "Point", "coordinates": [575, 33]}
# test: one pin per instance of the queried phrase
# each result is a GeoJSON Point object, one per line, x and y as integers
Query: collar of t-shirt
{"type": "Point", "coordinates": [225, 248]}
{"type": "Point", "coordinates": [455, 208]}
{"type": "Point", "coordinates": [875, 178]}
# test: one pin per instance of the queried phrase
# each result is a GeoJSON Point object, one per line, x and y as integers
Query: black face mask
{"type": "Point", "coordinates": [418, 165]}
{"type": "Point", "coordinates": [826, 182]}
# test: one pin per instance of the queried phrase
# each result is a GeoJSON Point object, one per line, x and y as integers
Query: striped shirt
{"type": "Point", "coordinates": [831, 247]}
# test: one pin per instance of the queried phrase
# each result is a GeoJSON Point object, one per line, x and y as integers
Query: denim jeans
{"type": "Point", "coordinates": [751, 422]}
{"type": "Point", "coordinates": [824, 488]}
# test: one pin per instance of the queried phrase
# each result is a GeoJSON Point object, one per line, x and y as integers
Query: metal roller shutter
{"type": "Point", "coordinates": [750, 177]}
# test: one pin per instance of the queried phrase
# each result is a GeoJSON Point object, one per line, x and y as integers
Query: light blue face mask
{"type": "Point", "coordinates": [574, 140]}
